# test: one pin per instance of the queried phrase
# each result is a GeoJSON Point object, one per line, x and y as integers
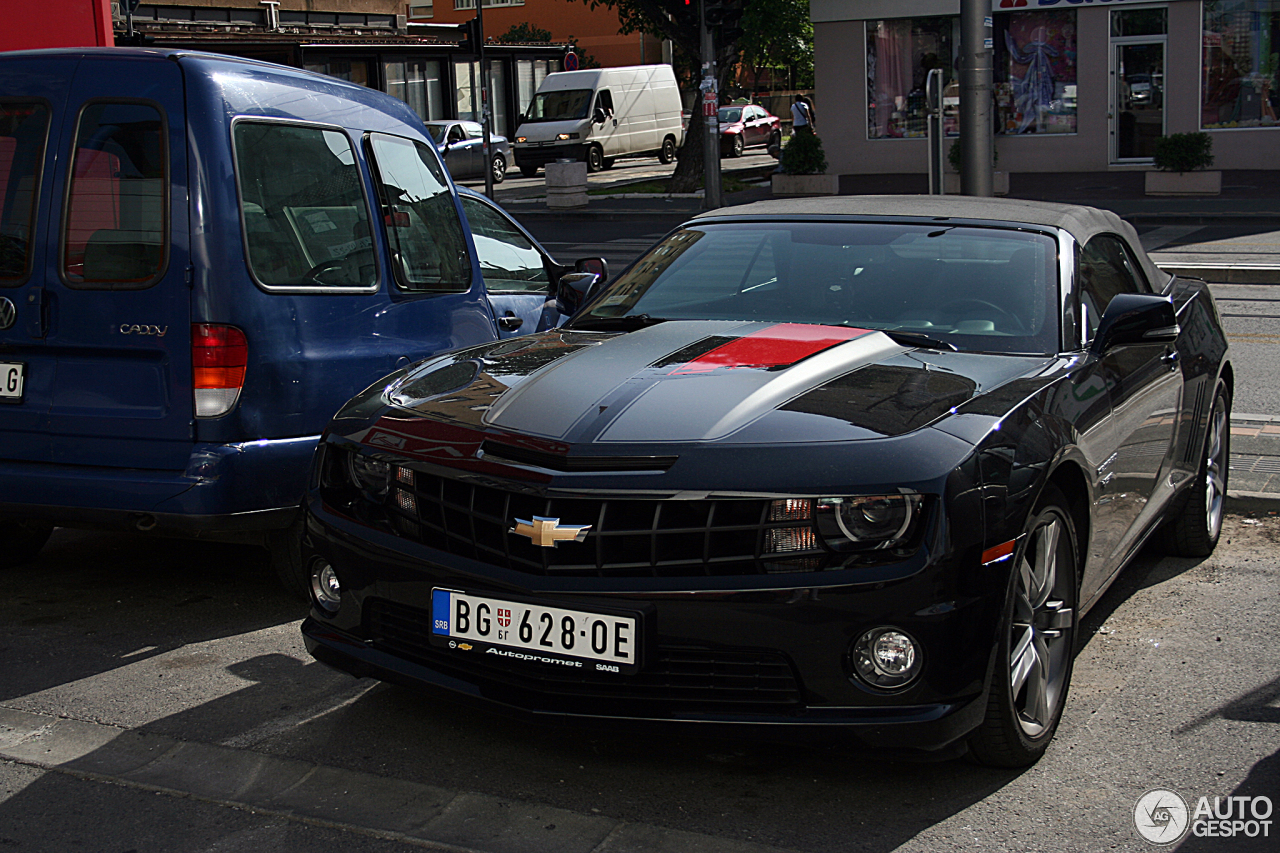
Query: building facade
{"type": "Point", "coordinates": [413, 50]}
{"type": "Point", "coordinates": [1080, 85]}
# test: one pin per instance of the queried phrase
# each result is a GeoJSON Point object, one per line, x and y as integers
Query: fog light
{"type": "Point", "coordinates": [325, 588]}
{"type": "Point", "coordinates": [886, 658]}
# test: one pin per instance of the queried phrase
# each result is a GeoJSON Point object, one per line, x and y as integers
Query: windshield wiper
{"type": "Point", "coordinates": [915, 339]}
{"type": "Point", "coordinates": [628, 323]}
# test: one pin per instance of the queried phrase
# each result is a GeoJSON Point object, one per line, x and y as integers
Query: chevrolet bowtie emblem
{"type": "Point", "coordinates": [546, 532]}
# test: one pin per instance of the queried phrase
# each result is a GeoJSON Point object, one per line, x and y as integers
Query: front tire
{"type": "Point", "coordinates": [668, 152]}
{"type": "Point", "coordinates": [285, 548]}
{"type": "Point", "coordinates": [528, 171]}
{"type": "Point", "coordinates": [22, 541]}
{"type": "Point", "coordinates": [1194, 530]}
{"type": "Point", "coordinates": [738, 146]}
{"type": "Point", "coordinates": [499, 167]}
{"type": "Point", "coordinates": [1036, 645]}
{"type": "Point", "coordinates": [595, 159]}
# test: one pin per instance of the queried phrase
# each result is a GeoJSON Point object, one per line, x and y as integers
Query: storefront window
{"type": "Point", "coordinates": [417, 83]}
{"type": "Point", "coordinates": [1035, 72]}
{"type": "Point", "coordinates": [900, 54]}
{"type": "Point", "coordinates": [1240, 63]}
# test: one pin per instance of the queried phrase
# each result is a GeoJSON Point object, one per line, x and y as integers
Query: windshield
{"type": "Point", "coordinates": [730, 115]}
{"type": "Point", "coordinates": [558, 106]}
{"type": "Point", "coordinates": [976, 289]}
{"type": "Point", "coordinates": [437, 131]}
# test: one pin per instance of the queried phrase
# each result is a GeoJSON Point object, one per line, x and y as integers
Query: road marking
{"type": "Point", "coordinates": [1166, 234]}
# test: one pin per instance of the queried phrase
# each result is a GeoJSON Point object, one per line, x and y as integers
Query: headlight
{"type": "Point", "coordinates": [522, 139]}
{"type": "Point", "coordinates": [371, 476]}
{"type": "Point", "coordinates": [563, 137]}
{"type": "Point", "coordinates": [867, 522]}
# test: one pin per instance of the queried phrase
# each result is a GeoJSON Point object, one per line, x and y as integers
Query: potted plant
{"type": "Point", "coordinates": [951, 179]}
{"type": "Point", "coordinates": [803, 168]}
{"type": "Point", "coordinates": [1182, 160]}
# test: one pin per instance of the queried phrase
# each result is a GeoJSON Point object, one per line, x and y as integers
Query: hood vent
{"type": "Point", "coordinates": [494, 451]}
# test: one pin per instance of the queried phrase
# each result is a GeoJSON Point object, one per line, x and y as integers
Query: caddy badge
{"type": "Point", "coordinates": [546, 532]}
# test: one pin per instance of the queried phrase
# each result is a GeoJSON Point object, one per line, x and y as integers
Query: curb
{"type": "Point", "coordinates": [1240, 503]}
{"type": "Point", "coordinates": [1224, 273]}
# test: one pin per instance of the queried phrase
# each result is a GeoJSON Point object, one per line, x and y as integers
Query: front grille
{"type": "Point", "coordinates": [711, 679]}
{"type": "Point", "coordinates": [628, 538]}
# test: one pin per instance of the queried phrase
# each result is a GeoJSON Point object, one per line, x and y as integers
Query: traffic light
{"type": "Point", "coordinates": [725, 17]}
{"type": "Point", "coordinates": [470, 36]}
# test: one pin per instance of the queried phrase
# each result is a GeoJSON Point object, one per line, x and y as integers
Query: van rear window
{"type": "Point", "coordinates": [306, 220]}
{"type": "Point", "coordinates": [23, 128]}
{"type": "Point", "coordinates": [114, 232]}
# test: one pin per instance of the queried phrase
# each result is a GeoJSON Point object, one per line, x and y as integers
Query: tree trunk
{"type": "Point", "coordinates": [689, 164]}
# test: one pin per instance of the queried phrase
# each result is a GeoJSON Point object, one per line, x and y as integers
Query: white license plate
{"type": "Point", "coordinates": [11, 377]}
{"type": "Point", "coordinates": [535, 633]}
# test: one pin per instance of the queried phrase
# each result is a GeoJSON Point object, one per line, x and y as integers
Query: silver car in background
{"type": "Point", "coordinates": [461, 146]}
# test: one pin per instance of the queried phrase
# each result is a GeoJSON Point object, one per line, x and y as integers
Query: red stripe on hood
{"type": "Point", "coordinates": [777, 346]}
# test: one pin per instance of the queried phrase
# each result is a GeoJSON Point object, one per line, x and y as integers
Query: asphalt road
{"type": "Point", "coordinates": [156, 696]}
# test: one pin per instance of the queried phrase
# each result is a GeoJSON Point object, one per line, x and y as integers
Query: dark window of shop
{"type": "Point", "coordinates": [114, 231]}
{"type": "Point", "coordinates": [1240, 69]}
{"type": "Point", "coordinates": [1034, 71]}
{"type": "Point", "coordinates": [23, 130]}
{"type": "Point", "coordinates": [1106, 269]}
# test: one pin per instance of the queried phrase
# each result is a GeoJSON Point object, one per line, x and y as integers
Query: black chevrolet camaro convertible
{"type": "Point", "coordinates": [853, 465]}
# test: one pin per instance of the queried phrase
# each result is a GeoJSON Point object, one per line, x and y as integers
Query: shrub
{"type": "Point", "coordinates": [953, 156]}
{"type": "Point", "coordinates": [803, 155]}
{"type": "Point", "coordinates": [1184, 152]}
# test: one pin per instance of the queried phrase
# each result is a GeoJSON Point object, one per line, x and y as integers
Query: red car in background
{"type": "Point", "coordinates": [744, 126]}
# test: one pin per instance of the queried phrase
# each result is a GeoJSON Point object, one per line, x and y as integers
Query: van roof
{"type": "Point", "coordinates": [587, 78]}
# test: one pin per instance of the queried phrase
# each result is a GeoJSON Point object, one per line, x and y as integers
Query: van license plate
{"type": "Point", "coordinates": [11, 377]}
{"type": "Point", "coordinates": [534, 633]}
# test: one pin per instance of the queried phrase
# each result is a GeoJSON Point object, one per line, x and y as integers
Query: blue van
{"type": "Point", "coordinates": [201, 259]}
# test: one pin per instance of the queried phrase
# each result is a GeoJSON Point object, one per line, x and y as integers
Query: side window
{"type": "Point", "coordinates": [604, 101]}
{"type": "Point", "coordinates": [429, 250]}
{"type": "Point", "coordinates": [1106, 269]}
{"type": "Point", "coordinates": [508, 261]}
{"type": "Point", "coordinates": [456, 133]}
{"type": "Point", "coordinates": [474, 131]}
{"type": "Point", "coordinates": [114, 230]}
{"type": "Point", "coordinates": [23, 130]}
{"type": "Point", "coordinates": [306, 221]}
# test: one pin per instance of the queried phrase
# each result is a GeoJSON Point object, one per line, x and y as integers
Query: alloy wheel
{"type": "Point", "coordinates": [1215, 472]}
{"type": "Point", "coordinates": [1042, 626]}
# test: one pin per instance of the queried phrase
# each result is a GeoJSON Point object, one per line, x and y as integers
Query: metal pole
{"type": "Point", "coordinates": [976, 139]}
{"type": "Point", "coordinates": [711, 141]}
{"type": "Point", "coordinates": [937, 131]}
{"type": "Point", "coordinates": [484, 103]}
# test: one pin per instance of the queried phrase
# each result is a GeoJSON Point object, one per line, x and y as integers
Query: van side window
{"type": "Point", "coordinates": [604, 101]}
{"type": "Point", "coordinates": [428, 247]}
{"type": "Point", "coordinates": [306, 220]}
{"type": "Point", "coordinates": [23, 129]}
{"type": "Point", "coordinates": [114, 232]}
{"type": "Point", "coordinates": [508, 261]}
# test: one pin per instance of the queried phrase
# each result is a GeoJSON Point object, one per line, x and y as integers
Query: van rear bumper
{"type": "Point", "coordinates": [226, 490]}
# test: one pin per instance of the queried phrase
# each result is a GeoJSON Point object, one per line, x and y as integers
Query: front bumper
{"type": "Point", "coordinates": [533, 156]}
{"type": "Point", "coordinates": [773, 650]}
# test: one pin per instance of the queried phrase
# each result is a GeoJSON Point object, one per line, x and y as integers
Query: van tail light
{"type": "Point", "coordinates": [218, 358]}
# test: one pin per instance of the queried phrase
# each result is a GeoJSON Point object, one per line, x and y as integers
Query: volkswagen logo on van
{"type": "Point", "coordinates": [8, 312]}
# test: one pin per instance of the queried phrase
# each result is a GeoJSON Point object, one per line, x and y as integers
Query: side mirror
{"type": "Point", "coordinates": [1136, 318]}
{"type": "Point", "coordinates": [593, 265]}
{"type": "Point", "coordinates": [574, 289]}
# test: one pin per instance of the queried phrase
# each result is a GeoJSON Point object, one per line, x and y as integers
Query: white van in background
{"type": "Point", "coordinates": [600, 114]}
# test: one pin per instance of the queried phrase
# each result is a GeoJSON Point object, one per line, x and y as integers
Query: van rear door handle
{"type": "Point", "coordinates": [509, 322]}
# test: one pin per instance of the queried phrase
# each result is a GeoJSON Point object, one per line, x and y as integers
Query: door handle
{"type": "Point", "coordinates": [509, 322]}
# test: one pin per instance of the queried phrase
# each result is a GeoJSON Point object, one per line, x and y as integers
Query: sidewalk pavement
{"type": "Point", "coordinates": [1249, 199]}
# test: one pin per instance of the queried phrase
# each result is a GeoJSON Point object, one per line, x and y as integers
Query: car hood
{"type": "Point", "coordinates": [697, 382]}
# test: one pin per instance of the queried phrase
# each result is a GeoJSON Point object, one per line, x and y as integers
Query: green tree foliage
{"type": "Point", "coordinates": [526, 33]}
{"type": "Point", "coordinates": [778, 34]}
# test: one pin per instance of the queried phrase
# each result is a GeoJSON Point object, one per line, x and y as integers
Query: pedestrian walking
{"type": "Point", "coordinates": [801, 115]}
